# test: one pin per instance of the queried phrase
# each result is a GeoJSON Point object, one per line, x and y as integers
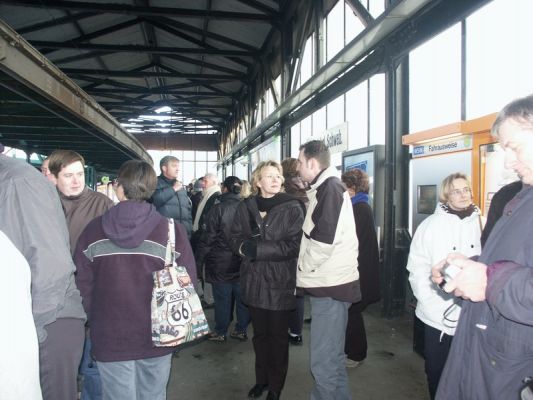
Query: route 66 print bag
{"type": "Point", "coordinates": [177, 314]}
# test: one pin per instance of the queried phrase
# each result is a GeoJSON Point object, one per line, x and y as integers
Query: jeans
{"type": "Point", "coordinates": [296, 319]}
{"type": "Point", "coordinates": [92, 386]}
{"type": "Point", "coordinates": [135, 379]}
{"type": "Point", "coordinates": [223, 292]}
{"type": "Point", "coordinates": [328, 330]}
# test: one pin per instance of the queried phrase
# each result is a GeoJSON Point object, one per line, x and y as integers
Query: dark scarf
{"type": "Point", "coordinates": [467, 212]}
{"type": "Point", "coordinates": [360, 197]}
{"type": "Point", "coordinates": [265, 205]}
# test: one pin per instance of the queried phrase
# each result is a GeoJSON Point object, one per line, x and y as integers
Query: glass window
{"type": "Point", "coordinates": [306, 69]}
{"type": "Point", "coordinates": [212, 155]}
{"type": "Point", "coordinates": [376, 7]}
{"type": "Point", "coordinates": [357, 116]}
{"type": "Point", "coordinates": [497, 68]}
{"type": "Point", "coordinates": [188, 171]}
{"type": "Point", "coordinates": [335, 112]}
{"type": "Point", "coordinates": [435, 81]}
{"type": "Point", "coordinates": [305, 129]}
{"type": "Point", "coordinates": [335, 30]}
{"type": "Point", "coordinates": [295, 140]}
{"type": "Point", "coordinates": [188, 155]}
{"type": "Point", "coordinates": [319, 121]}
{"type": "Point", "coordinates": [270, 105]}
{"type": "Point", "coordinates": [353, 25]}
{"type": "Point", "coordinates": [376, 109]}
{"type": "Point", "coordinates": [201, 155]}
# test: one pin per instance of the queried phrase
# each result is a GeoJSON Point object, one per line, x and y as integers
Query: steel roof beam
{"type": "Point", "coordinates": [132, 48]}
{"type": "Point", "coordinates": [360, 11]}
{"type": "Point", "coordinates": [55, 22]}
{"type": "Point", "coordinates": [198, 42]}
{"type": "Point", "coordinates": [260, 6]}
{"type": "Point", "coordinates": [145, 74]}
{"type": "Point", "coordinates": [116, 8]}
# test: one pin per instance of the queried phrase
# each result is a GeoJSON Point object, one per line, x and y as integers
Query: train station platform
{"type": "Point", "coordinates": [225, 370]}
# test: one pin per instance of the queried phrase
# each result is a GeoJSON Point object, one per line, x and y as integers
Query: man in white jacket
{"type": "Point", "coordinates": [327, 269]}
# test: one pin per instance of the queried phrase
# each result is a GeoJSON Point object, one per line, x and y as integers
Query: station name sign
{"type": "Point", "coordinates": [336, 138]}
{"type": "Point", "coordinates": [451, 145]}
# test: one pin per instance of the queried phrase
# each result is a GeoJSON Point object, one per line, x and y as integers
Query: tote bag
{"type": "Point", "coordinates": [177, 314]}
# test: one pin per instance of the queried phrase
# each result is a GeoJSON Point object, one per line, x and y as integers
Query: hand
{"type": "Point", "coordinates": [436, 275]}
{"type": "Point", "coordinates": [471, 282]}
{"type": "Point", "coordinates": [177, 186]}
{"type": "Point", "coordinates": [249, 248]}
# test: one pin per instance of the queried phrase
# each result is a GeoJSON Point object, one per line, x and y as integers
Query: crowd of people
{"type": "Point", "coordinates": [82, 273]}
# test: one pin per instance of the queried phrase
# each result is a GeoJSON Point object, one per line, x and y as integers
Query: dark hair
{"type": "Point", "coordinates": [318, 150]}
{"type": "Point", "coordinates": [166, 160]}
{"type": "Point", "coordinates": [520, 110]}
{"type": "Point", "coordinates": [138, 180]}
{"type": "Point", "coordinates": [233, 184]}
{"type": "Point", "coordinates": [60, 159]}
{"type": "Point", "coordinates": [289, 166]}
{"type": "Point", "coordinates": [357, 180]}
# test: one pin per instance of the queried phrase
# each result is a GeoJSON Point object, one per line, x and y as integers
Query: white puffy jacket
{"type": "Point", "coordinates": [437, 236]}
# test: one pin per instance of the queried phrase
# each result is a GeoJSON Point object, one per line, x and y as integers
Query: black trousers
{"type": "Point", "coordinates": [355, 345]}
{"type": "Point", "coordinates": [271, 346]}
{"type": "Point", "coordinates": [435, 352]}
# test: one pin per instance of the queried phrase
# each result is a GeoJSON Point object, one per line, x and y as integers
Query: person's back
{"type": "Point", "coordinates": [19, 365]}
{"type": "Point", "coordinates": [32, 218]}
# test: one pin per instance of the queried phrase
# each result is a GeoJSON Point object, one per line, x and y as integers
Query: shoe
{"type": "Point", "coordinates": [272, 395]}
{"type": "Point", "coordinates": [295, 339]}
{"type": "Point", "coordinates": [352, 363]}
{"type": "Point", "coordinates": [257, 390]}
{"type": "Point", "coordinates": [215, 337]}
{"type": "Point", "coordinates": [242, 336]}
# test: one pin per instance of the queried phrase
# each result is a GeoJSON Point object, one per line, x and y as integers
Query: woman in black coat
{"type": "Point", "coordinates": [355, 348]}
{"type": "Point", "coordinates": [267, 234]}
{"type": "Point", "coordinates": [222, 265]}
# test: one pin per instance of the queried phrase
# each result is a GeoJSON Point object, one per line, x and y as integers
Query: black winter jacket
{"type": "Point", "coordinates": [172, 204]}
{"type": "Point", "coordinates": [213, 249]}
{"type": "Point", "coordinates": [269, 280]}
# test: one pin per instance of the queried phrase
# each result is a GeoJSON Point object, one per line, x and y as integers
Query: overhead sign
{"type": "Point", "coordinates": [336, 138]}
{"type": "Point", "coordinates": [451, 145]}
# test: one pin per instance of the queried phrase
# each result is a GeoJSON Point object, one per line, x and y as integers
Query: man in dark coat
{"type": "Point", "coordinates": [491, 353]}
{"type": "Point", "coordinates": [170, 197]}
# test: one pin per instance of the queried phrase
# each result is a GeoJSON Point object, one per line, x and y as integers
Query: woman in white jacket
{"type": "Point", "coordinates": [454, 227]}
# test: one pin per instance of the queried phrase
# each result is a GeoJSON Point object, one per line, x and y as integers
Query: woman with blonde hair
{"type": "Point", "coordinates": [454, 227]}
{"type": "Point", "coordinates": [267, 234]}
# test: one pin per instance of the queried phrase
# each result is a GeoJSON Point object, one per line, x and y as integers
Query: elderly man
{"type": "Point", "coordinates": [327, 269]}
{"type": "Point", "coordinates": [32, 218]}
{"type": "Point", "coordinates": [211, 193]}
{"type": "Point", "coordinates": [170, 197]}
{"type": "Point", "coordinates": [492, 351]}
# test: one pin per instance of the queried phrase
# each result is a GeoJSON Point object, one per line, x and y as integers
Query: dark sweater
{"type": "Point", "coordinates": [115, 258]}
{"type": "Point", "coordinates": [82, 209]}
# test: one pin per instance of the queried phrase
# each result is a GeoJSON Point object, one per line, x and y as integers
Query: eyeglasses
{"type": "Point", "coordinates": [458, 192]}
{"type": "Point", "coordinates": [115, 182]}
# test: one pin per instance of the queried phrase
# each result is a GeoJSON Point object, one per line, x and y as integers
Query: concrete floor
{"type": "Point", "coordinates": [225, 371]}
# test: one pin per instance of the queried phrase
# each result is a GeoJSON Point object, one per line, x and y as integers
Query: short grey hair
{"type": "Point", "coordinates": [519, 110]}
